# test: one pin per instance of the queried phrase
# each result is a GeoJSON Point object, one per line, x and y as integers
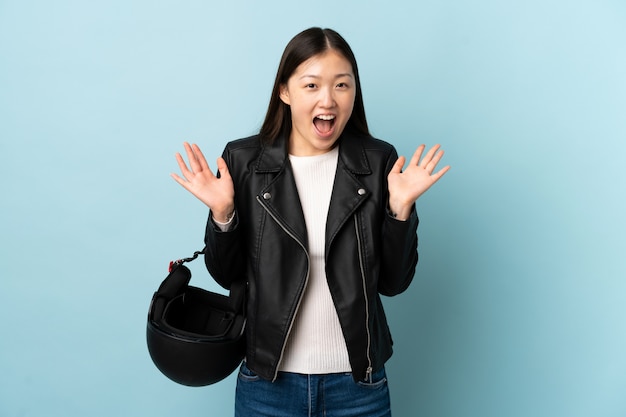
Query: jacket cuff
{"type": "Point", "coordinates": [224, 227]}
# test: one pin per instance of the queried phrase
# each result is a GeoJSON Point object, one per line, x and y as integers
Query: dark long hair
{"type": "Point", "coordinates": [306, 44]}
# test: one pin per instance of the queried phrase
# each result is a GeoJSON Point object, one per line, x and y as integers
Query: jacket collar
{"type": "Point", "coordinates": [280, 195]}
{"type": "Point", "coordinates": [273, 156]}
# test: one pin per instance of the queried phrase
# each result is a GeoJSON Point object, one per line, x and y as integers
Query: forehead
{"type": "Point", "coordinates": [328, 63]}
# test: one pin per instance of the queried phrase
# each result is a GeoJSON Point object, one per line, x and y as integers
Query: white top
{"type": "Point", "coordinates": [316, 344]}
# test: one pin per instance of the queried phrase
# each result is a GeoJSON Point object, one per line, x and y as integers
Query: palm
{"type": "Point", "coordinates": [407, 186]}
{"type": "Point", "coordinates": [217, 193]}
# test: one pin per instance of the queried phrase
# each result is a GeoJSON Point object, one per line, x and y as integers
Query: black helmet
{"type": "Point", "coordinates": [195, 337]}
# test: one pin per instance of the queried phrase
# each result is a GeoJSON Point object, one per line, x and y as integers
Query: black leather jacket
{"type": "Point", "coordinates": [368, 252]}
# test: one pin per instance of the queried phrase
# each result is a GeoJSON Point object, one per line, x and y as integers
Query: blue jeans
{"type": "Point", "coordinates": [294, 395]}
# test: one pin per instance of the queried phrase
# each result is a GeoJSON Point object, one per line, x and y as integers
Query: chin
{"type": "Point", "coordinates": [327, 144]}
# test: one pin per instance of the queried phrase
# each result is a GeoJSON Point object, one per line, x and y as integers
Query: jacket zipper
{"type": "Point", "coordinates": [368, 372]}
{"type": "Point", "coordinates": [306, 282]}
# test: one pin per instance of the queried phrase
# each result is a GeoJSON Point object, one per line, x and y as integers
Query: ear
{"type": "Point", "coordinates": [284, 94]}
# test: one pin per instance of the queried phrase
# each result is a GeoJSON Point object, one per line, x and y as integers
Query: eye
{"type": "Point", "coordinates": [342, 85]}
{"type": "Point", "coordinates": [310, 85]}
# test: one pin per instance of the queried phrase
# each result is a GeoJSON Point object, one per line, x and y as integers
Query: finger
{"type": "Point", "coordinates": [183, 167]}
{"type": "Point", "coordinates": [417, 155]}
{"type": "Point", "coordinates": [429, 156]}
{"type": "Point", "coordinates": [397, 166]}
{"type": "Point", "coordinates": [179, 180]}
{"type": "Point", "coordinates": [200, 156]}
{"type": "Point", "coordinates": [193, 160]}
{"type": "Point", "coordinates": [222, 168]}
{"type": "Point", "coordinates": [433, 163]}
{"type": "Point", "coordinates": [440, 173]}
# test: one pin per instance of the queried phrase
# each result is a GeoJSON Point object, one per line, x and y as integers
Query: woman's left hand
{"type": "Point", "coordinates": [407, 186]}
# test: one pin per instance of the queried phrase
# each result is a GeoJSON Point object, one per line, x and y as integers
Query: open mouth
{"type": "Point", "coordinates": [324, 123]}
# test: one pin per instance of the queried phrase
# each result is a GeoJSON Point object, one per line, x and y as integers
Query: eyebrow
{"type": "Point", "coordinates": [336, 76]}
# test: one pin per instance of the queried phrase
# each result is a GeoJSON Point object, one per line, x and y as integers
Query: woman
{"type": "Point", "coordinates": [320, 218]}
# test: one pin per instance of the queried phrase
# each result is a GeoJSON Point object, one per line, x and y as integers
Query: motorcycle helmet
{"type": "Point", "coordinates": [195, 337]}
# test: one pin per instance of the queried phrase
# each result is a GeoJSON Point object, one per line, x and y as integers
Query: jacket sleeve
{"type": "Point", "coordinates": [399, 247]}
{"type": "Point", "coordinates": [223, 254]}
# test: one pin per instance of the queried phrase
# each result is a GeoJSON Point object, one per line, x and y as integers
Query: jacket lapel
{"type": "Point", "coordinates": [348, 192]}
{"type": "Point", "coordinates": [280, 195]}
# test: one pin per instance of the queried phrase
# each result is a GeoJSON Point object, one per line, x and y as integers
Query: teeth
{"type": "Point", "coordinates": [326, 117]}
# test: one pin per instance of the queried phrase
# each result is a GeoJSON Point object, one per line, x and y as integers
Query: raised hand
{"type": "Point", "coordinates": [217, 193]}
{"type": "Point", "coordinates": [407, 186]}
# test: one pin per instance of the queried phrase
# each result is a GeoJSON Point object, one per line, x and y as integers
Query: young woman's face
{"type": "Point", "coordinates": [321, 95]}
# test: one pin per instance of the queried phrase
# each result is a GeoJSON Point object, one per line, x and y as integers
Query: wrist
{"type": "Point", "coordinates": [224, 216]}
{"type": "Point", "coordinates": [400, 211]}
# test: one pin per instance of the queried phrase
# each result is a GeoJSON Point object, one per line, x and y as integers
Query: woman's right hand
{"type": "Point", "coordinates": [217, 193]}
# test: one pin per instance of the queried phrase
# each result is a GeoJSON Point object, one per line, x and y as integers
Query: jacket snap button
{"type": "Point", "coordinates": [361, 191]}
{"type": "Point", "coordinates": [267, 196]}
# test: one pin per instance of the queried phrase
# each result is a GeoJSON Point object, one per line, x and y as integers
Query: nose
{"type": "Point", "coordinates": [327, 97]}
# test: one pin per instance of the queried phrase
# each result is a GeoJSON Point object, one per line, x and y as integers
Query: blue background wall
{"type": "Point", "coordinates": [518, 306]}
